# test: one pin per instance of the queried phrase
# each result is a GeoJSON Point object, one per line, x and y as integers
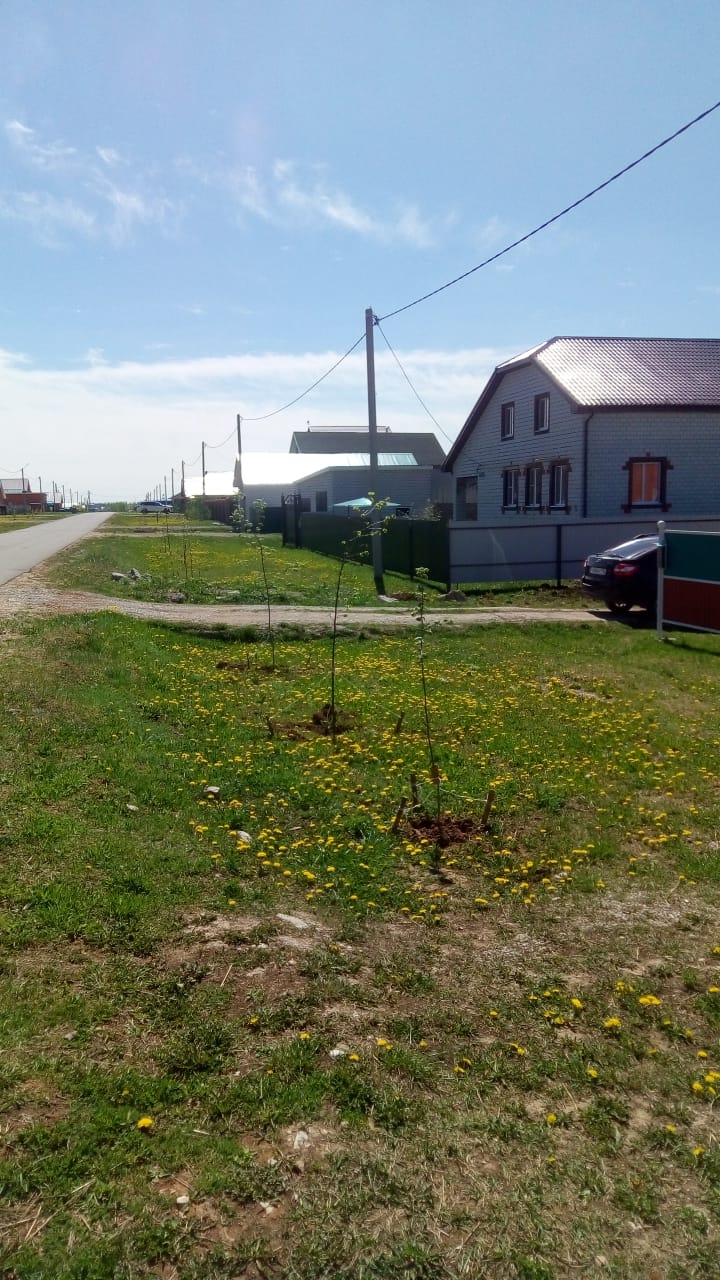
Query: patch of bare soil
{"type": "Point", "coordinates": [328, 721]}
{"type": "Point", "coordinates": [445, 830]}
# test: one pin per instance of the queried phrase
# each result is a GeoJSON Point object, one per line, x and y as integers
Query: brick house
{"type": "Point", "coordinates": [593, 429]}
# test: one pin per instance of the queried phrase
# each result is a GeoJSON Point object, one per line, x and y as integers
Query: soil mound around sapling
{"type": "Point", "coordinates": [445, 830]}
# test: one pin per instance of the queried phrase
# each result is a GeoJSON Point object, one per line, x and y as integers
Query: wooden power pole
{"type": "Point", "coordinates": [375, 521]}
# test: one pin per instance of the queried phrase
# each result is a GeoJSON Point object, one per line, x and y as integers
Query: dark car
{"type": "Point", "coordinates": [625, 575]}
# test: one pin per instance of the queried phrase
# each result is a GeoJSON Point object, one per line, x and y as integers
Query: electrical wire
{"type": "Point", "coordinates": [315, 384]}
{"type": "Point", "coordinates": [415, 392]}
{"type": "Point", "coordinates": [222, 442]}
{"type": "Point", "coordinates": [556, 217]}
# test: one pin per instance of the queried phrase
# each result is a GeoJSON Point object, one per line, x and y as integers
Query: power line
{"type": "Point", "coordinates": [415, 392]}
{"type": "Point", "coordinates": [315, 384]}
{"type": "Point", "coordinates": [222, 442]}
{"type": "Point", "coordinates": [555, 218]}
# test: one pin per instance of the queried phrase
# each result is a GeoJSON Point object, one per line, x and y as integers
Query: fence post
{"type": "Point", "coordinates": [558, 555]}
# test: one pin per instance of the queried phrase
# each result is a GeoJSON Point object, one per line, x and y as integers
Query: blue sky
{"type": "Point", "coordinates": [199, 200]}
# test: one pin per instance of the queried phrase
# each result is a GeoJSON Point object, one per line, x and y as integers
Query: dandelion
{"type": "Point", "coordinates": [145, 1122]}
{"type": "Point", "coordinates": [612, 1024]}
{"type": "Point", "coordinates": [353, 1057]}
{"type": "Point", "coordinates": [304, 1035]}
{"type": "Point", "coordinates": [593, 1073]}
{"type": "Point", "coordinates": [551, 1118]}
{"type": "Point", "coordinates": [577, 1004]}
{"type": "Point", "coordinates": [698, 1152]}
{"type": "Point", "coordinates": [647, 1000]}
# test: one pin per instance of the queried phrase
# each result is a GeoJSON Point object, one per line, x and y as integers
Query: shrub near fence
{"type": "Point", "coordinates": [407, 544]}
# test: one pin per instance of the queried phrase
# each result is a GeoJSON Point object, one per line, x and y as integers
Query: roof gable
{"type": "Point", "coordinates": [616, 373]}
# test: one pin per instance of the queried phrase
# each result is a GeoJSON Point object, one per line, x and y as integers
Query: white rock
{"type": "Point", "coordinates": [295, 921]}
{"type": "Point", "coordinates": [182, 1201]}
{"type": "Point", "coordinates": [301, 1139]}
{"type": "Point", "coordinates": [212, 791]}
{"type": "Point", "coordinates": [244, 837]}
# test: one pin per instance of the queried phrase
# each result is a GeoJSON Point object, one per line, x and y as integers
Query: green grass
{"type": "Point", "coordinates": [210, 565]}
{"type": "Point", "coordinates": [212, 568]}
{"type": "Point", "coordinates": [9, 523]}
{"type": "Point", "coordinates": [495, 1058]}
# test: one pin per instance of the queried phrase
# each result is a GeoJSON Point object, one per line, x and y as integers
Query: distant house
{"type": "Point", "coordinates": [423, 445]}
{"type": "Point", "coordinates": [328, 466]}
{"type": "Point", "coordinates": [18, 498]}
{"type": "Point", "coordinates": [593, 429]}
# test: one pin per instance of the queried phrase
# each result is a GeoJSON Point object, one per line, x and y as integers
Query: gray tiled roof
{"type": "Point", "coordinates": [422, 444]}
{"type": "Point", "coordinates": [612, 372]}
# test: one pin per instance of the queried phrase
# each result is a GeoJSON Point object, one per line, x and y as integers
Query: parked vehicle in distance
{"type": "Point", "coordinates": [149, 508]}
{"type": "Point", "coordinates": [625, 575]}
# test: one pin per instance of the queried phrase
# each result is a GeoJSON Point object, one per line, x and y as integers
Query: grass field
{"type": "Point", "coordinates": [10, 523]}
{"type": "Point", "coordinates": [258, 1021]}
{"type": "Point", "coordinates": [210, 565]}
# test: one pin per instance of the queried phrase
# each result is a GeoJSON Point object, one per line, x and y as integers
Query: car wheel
{"type": "Point", "coordinates": [619, 606]}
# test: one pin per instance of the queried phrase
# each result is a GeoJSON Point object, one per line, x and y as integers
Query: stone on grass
{"type": "Point", "coordinates": [295, 921]}
{"type": "Point", "coordinates": [119, 577]}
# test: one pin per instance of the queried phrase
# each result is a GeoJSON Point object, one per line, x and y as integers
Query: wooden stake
{"type": "Point", "coordinates": [488, 808]}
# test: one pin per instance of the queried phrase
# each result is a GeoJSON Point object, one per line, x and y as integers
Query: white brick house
{"type": "Point", "coordinates": [593, 429]}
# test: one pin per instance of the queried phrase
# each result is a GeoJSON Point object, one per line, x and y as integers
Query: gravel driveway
{"type": "Point", "coordinates": [29, 595]}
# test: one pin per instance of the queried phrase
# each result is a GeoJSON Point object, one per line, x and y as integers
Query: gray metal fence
{"type": "Point", "coordinates": [538, 552]}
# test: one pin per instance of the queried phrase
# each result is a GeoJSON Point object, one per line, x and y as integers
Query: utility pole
{"type": "Point", "coordinates": [240, 486]}
{"type": "Point", "coordinates": [182, 481]}
{"type": "Point", "coordinates": [165, 483]}
{"type": "Point", "coordinates": [172, 484]}
{"type": "Point", "coordinates": [203, 467]}
{"type": "Point", "coordinates": [375, 523]}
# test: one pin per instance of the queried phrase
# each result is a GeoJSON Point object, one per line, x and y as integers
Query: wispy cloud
{"type": "Point", "coordinates": [79, 197]}
{"type": "Point", "coordinates": [132, 421]}
{"type": "Point", "coordinates": [290, 195]}
{"type": "Point", "coordinates": [42, 155]}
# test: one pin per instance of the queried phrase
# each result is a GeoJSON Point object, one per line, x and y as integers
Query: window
{"type": "Point", "coordinates": [507, 421]}
{"type": "Point", "coordinates": [533, 487]}
{"type": "Point", "coordinates": [542, 414]}
{"type": "Point", "coordinates": [466, 495]}
{"type": "Point", "coordinates": [511, 488]}
{"type": "Point", "coordinates": [559, 476]}
{"type": "Point", "coordinates": [647, 482]}
{"type": "Point", "coordinates": [321, 500]}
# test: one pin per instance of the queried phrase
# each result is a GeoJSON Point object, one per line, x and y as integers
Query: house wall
{"type": "Point", "coordinates": [689, 440]}
{"type": "Point", "coordinates": [412, 487]}
{"type": "Point", "coordinates": [486, 455]}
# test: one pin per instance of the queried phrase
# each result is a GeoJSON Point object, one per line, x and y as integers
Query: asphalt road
{"type": "Point", "coordinates": [23, 549]}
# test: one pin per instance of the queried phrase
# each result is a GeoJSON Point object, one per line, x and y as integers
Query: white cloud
{"type": "Point", "coordinates": [51, 217]}
{"type": "Point", "coordinates": [52, 155]}
{"type": "Point", "coordinates": [117, 429]}
{"type": "Point", "coordinates": [89, 204]}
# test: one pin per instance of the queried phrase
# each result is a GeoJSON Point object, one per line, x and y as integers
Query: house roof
{"type": "Point", "coordinates": [425, 447]}
{"type": "Point", "coordinates": [15, 486]}
{"type": "Point", "coordinates": [618, 373]}
{"type": "Point", "coordinates": [280, 469]}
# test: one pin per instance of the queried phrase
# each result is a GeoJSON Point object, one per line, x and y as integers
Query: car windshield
{"type": "Point", "coordinates": [628, 550]}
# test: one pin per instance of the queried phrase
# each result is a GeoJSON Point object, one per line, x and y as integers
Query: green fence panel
{"type": "Point", "coordinates": [692, 555]}
{"type": "Point", "coordinates": [407, 544]}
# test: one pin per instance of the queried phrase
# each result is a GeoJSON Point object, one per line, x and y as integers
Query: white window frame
{"type": "Point", "coordinates": [533, 486]}
{"type": "Point", "coordinates": [559, 471]}
{"type": "Point", "coordinates": [507, 420]}
{"type": "Point", "coordinates": [541, 414]}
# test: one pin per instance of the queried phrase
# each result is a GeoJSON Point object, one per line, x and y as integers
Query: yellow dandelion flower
{"type": "Point", "coordinates": [145, 1122]}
